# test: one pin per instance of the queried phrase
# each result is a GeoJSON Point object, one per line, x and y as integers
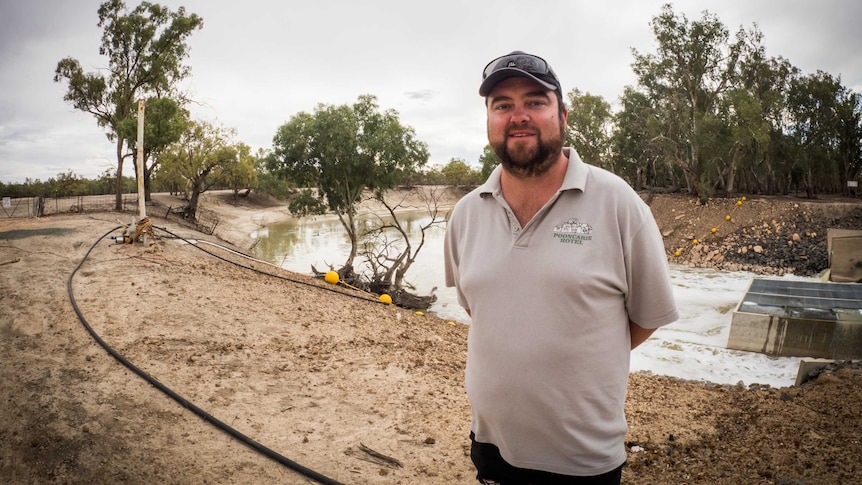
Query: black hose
{"type": "Point", "coordinates": [281, 277]}
{"type": "Point", "coordinates": [176, 397]}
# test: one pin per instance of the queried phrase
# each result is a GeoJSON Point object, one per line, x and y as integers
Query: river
{"type": "Point", "coordinates": [694, 347]}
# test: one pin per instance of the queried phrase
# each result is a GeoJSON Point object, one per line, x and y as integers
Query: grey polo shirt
{"type": "Point", "coordinates": [549, 344]}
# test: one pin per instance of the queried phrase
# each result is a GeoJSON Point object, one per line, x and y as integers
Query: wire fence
{"type": "Point", "coordinates": [205, 220]}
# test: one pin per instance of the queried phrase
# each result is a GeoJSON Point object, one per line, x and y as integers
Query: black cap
{"type": "Point", "coordinates": [518, 64]}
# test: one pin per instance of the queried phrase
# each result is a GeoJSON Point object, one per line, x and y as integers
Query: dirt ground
{"type": "Point", "coordinates": [327, 380]}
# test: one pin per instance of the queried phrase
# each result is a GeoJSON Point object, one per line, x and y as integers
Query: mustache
{"type": "Point", "coordinates": [520, 127]}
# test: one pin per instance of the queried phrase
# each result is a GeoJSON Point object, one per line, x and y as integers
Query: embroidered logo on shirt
{"type": "Point", "coordinates": [573, 232]}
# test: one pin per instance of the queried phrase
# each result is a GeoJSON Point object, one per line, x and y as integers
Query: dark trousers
{"type": "Point", "coordinates": [492, 469]}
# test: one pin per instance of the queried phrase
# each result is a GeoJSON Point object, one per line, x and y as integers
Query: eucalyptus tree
{"type": "Point", "coordinates": [343, 151]}
{"type": "Point", "coordinates": [695, 63]}
{"type": "Point", "coordinates": [145, 48]}
{"type": "Point", "coordinates": [203, 157]}
{"type": "Point", "coordinates": [68, 184]}
{"type": "Point", "coordinates": [745, 134]}
{"type": "Point", "coordinates": [164, 124]}
{"type": "Point", "coordinates": [849, 119]}
{"type": "Point", "coordinates": [489, 161]}
{"type": "Point", "coordinates": [635, 144]}
{"type": "Point", "coordinates": [761, 163]}
{"type": "Point", "coordinates": [813, 107]}
{"type": "Point", "coordinates": [589, 126]}
{"type": "Point", "coordinates": [460, 174]}
{"type": "Point", "coordinates": [242, 175]}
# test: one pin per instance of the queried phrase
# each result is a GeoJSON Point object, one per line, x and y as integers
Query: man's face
{"type": "Point", "coordinates": [525, 126]}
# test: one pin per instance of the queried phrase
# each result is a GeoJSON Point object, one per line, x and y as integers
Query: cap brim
{"type": "Point", "coordinates": [505, 73]}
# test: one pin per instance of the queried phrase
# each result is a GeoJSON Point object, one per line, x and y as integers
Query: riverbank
{"type": "Point", "coordinates": [320, 377]}
{"type": "Point", "coordinates": [769, 235]}
{"type": "Point", "coordinates": [241, 216]}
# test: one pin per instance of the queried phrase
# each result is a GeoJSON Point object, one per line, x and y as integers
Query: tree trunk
{"type": "Point", "coordinates": [350, 226]}
{"type": "Point", "coordinates": [732, 175]}
{"type": "Point", "coordinates": [399, 269]}
{"type": "Point", "coordinates": [193, 200]}
{"type": "Point", "coordinates": [691, 181]}
{"type": "Point", "coordinates": [118, 201]}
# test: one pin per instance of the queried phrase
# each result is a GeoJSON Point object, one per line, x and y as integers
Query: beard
{"type": "Point", "coordinates": [530, 161]}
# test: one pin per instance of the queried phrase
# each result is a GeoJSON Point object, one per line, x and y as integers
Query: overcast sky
{"type": "Point", "coordinates": [257, 63]}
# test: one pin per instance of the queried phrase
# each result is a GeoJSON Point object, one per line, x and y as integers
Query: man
{"type": "Point", "coordinates": [562, 269]}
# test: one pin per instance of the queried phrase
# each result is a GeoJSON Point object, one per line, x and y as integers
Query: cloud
{"type": "Point", "coordinates": [422, 95]}
{"type": "Point", "coordinates": [257, 63]}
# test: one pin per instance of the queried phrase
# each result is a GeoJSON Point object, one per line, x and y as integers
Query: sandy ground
{"type": "Point", "coordinates": [337, 383]}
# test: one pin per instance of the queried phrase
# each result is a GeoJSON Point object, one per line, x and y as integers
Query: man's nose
{"type": "Point", "coordinates": [519, 115]}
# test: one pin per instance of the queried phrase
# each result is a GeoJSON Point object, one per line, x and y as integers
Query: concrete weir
{"type": "Point", "coordinates": [799, 319]}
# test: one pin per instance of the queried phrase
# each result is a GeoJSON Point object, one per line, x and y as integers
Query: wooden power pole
{"type": "Point", "coordinates": [142, 206]}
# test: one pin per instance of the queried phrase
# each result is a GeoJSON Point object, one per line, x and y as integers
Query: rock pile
{"type": "Point", "coordinates": [854, 367]}
{"type": "Point", "coordinates": [794, 243]}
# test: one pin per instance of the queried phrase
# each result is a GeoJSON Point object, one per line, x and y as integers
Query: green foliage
{"type": "Point", "coordinates": [166, 179]}
{"type": "Point", "coordinates": [430, 176]}
{"type": "Point", "coordinates": [711, 112]}
{"type": "Point", "coordinates": [589, 128]}
{"type": "Point", "coordinates": [693, 66]}
{"type": "Point", "coordinates": [849, 136]}
{"type": "Point", "coordinates": [273, 186]}
{"type": "Point", "coordinates": [635, 155]}
{"type": "Point", "coordinates": [30, 188]}
{"type": "Point", "coordinates": [489, 162]}
{"type": "Point", "coordinates": [203, 158]}
{"type": "Point", "coordinates": [67, 184]}
{"type": "Point", "coordinates": [241, 175]}
{"type": "Point", "coordinates": [104, 184]}
{"type": "Point", "coordinates": [458, 173]}
{"type": "Point", "coordinates": [715, 111]}
{"type": "Point", "coordinates": [812, 105]}
{"type": "Point", "coordinates": [145, 50]}
{"type": "Point", "coordinates": [306, 203]}
{"type": "Point", "coordinates": [164, 122]}
{"type": "Point", "coordinates": [343, 151]}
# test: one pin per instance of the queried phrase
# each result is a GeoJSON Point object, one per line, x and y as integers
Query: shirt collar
{"type": "Point", "coordinates": [575, 179]}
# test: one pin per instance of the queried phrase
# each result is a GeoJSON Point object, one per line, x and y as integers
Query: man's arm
{"type": "Point", "coordinates": [639, 334]}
